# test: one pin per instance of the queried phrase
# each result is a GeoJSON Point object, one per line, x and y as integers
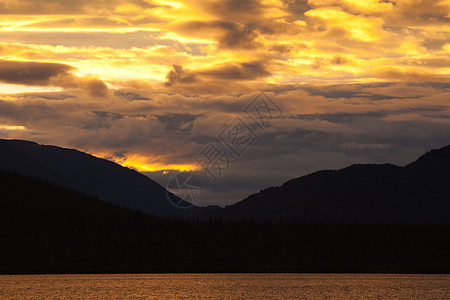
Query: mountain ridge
{"type": "Point", "coordinates": [89, 174]}
{"type": "Point", "coordinates": [416, 192]}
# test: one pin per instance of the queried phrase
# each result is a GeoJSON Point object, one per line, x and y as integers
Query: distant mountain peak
{"type": "Point", "coordinates": [417, 192]}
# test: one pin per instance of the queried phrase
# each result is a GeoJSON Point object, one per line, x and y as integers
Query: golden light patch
{"type": "Point", "coordinates": [13, 128]}
{"type": "Point", "coordinates": [18, 89]}
{"type": "Point", "coordinates": [446, 48]}
{"type": "Point", "coordinates": [141, 163]}
{"type": "Point", "coordinates": [178, 11]}
{"type": "Point", "coordinates": [185, 39]}
{"type": "Point", "coordinates": [367, 7]}
{"type": "Point", "coordinates": [360, 28]}
{"type": "Point", "coordinates": [127, 8]}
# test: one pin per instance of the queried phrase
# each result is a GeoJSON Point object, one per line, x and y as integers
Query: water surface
{"type": "Point", "coordinates": [225, 286]}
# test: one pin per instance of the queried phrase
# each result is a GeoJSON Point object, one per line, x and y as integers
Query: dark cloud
{"type": "Point", "coordinates": [242, 71]}
{"type": "Point", "coordinates": [51, 7]}
{"type": "Point", "coordinates": [339, 60]}
{"type": "Point", "coordinates": [229, 35]}
{"type": "Point", "coordinates": [238, 36]}
{"type": "Point", "coordinates": [223, 78]}
{"type": "Point", "coordinates": [279, 27]}
{"type": "Point", "coordinates": [415, 12]}
{"type": "Point", "coordinates": [176, 121]}
{"type": "Point", "coordinates": [435, 44]}
{"type": "Point", "coordinates": [297, 8]}
{"type": "Point", "coordinates": [94, 86]}
{"type": "Point", "coordinates": [339, 117]}
{"type": "Point", "coordinates": [376, 91]}
{"type": "Point", "coordinates": [179, 75]}
{"type": "Point", "coordinates": [31, 73]}
{"type": "Point", "coordinates": [47, 95]}
{"type": "Point", "coordinates": [344, 90]}
{"type": "Point", "coordinates": [398, 74]}
{"type": "Point", "coordinates": [212, 78]}
{"type": "Point", "coordinates": [438, 62]}
{"type": "Point", "coordinates": [49, 74]}
{"type": "Point", "coordinates": [236, 10]}
{"type": "Point", "coordinates": [102, 119]}
{"type": "Point", "coordinates": [130, 96]}
{"type": "Point", "coordinates": [282, 48]}
{"type": "Point", "coordinates": [108, 115]}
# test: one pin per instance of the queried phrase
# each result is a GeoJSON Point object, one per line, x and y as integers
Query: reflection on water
{"type": "Point", "coordinates": [225, 286]}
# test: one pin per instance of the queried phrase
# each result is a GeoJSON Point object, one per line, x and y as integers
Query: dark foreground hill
{"type": "Point", "coordinates": [89, 174]}
{"type": "Point", "coordinates": [45, 228]}
{"type": "Point", "coordinates": [418, 192]}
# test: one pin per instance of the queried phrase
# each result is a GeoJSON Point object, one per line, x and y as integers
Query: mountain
{"type": "Point", "coordinates": [417, 192]}
{"type": "Point", "coordinates": [91, 175]}
{"type": "Point", "coordinates": [46, 228]}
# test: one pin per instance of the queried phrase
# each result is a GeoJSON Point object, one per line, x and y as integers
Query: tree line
{"type": "Point", "coordinates": [46, 228]}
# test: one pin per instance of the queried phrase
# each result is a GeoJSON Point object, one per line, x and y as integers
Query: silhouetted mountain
{"type": "Point", "coordinates": [417, 192]}
{"type": "Point", "coordinates": [86, 173]}
{"type": "Point", "coordinates": [45, 228]}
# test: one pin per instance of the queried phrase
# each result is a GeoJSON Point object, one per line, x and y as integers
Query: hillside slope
{"type": "Point", "coordinates": [417, 192]}
{"type": "Point", "coordinates": [75, 169]}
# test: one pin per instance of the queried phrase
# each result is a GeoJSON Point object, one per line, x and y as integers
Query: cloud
{"type": "Point", "coordinates": [88, 22]}
{"type": "Point", "coordinates": [228, 34]}
{"type": "Point", "coordinates": [367, 7]}
{"type": "Point", "coordinates": [179, 75]}
{"type": "Point", "coordinates": [51, 7]}
{"type": "Point", "coordinates": [31, 73]}
{"type": "Point", "coordinates": [177, 121]}
{"type": "Point", "coordinates": [358, 27]}
{"type": "Point", "coordinates": [241, 71]}
{"type": "Point", "coordinates": [339, 60]}
{"type": "Point", "coordinates": [420, 12]}
{"type": "Point", "coordinates": [408, 75]}
{"type": "Point", "coordinates": [94, 86]}
{"type": "Point", "coordinates": [240, 11]}
{"type": "Point", "coordinates": [359, 146]}
{"type": "Point", "coordinates": [49, 74]}
{"type": "Point", "coordinates": [217, 79]}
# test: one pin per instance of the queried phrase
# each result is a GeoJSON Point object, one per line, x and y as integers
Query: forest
{"type": "Point", "coordinates": [46, 228]}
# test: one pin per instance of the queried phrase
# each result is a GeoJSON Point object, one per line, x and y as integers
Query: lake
{"type": "Point", "coordinates": [225, 286]}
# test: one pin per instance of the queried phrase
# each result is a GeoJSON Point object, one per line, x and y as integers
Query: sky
{"type": "Point", "coordinates": [244, 94]}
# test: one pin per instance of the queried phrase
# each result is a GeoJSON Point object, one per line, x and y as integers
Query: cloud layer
{"type": "Point", "coordinates": [149, 84]}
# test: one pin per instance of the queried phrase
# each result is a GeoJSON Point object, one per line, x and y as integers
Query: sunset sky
{"type": "Point", "coordinates": [149, 84]}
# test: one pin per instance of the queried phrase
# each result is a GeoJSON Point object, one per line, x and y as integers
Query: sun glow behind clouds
{"type": "Point", "coordinates": [144, 163]}
{"type": "Point", "coordinates": [16, 89]}
{"type": "Point", "coordinates": [14, 128]}
{"type": "Point", "coordinates": [153, 168]}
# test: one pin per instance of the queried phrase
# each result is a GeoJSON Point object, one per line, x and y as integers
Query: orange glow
{"type": "Point", "coordinates": [360, 28]}
{"type": "Point", "coordinates": [6, 127]}
{"type": "Point", "coordinates": [144, 167]}
{"type": "Point", "coordinates": [132, 40]}
{"type": "Point", "coordinates": [144, 163]}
